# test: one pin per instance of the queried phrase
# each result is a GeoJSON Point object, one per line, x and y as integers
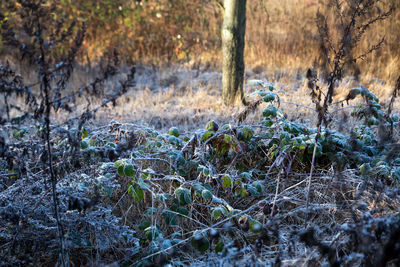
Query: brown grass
{"type": "Point", "coordinates": [280, 35]}
{"type": "Point", "coordinates": [188, 97]}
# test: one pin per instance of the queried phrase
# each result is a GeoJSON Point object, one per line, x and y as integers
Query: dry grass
{"type": "Point", "coordinates": [190, 96]}
{"type": "Point", "coordinates": [280, 35]}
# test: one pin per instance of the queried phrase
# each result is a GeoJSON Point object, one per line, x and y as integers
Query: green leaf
{"type": "Point", "coordinates": [137, 192]}
{"type": "Point", "coordinates": [174, 140]}
{"type": "Point", "coordinates": [268, 122]}
{"type": "Point", "coordinates": [252, 190]}
{"type": "Point", "coordinates": [224, 211]}
{"type": "Point", "coordinates": [187, 196]}
{"type": "Point", "coordinates": [84, 144]}
{"type": "Point", "coordinates": [85, 133]}
{"type": "Point", "coordinates": [92, 142]}
{"type": "Point", "coordinates": [269, 97]}
{"type": "Point", "coordinates": [219, 247]}
{"type": "Point", "coordinates": [259, 186]}
{"type": "Point", "coordinates": [365, 168]}
{"type": "Point", "coordinates": [200, 242]}
{"type": "Point", "coordinates": [204, 170]}
{"type": "Point", "coordinates": [183, 211]}
{"type": "Point", "coordinates": [151, 232]}
{"type": "Point", "coordinates": [226, 126]}
{"type": "Point", "coordinates": [227, 181]}
{"type": "Point", "coordinates": [183, 195]}
{"type": "Point", "coordinates": [270, 111]}
{"type": "Point", "coordinates": [258, 82]}
{"type": "Point", "coordinates": [255, 226]}
{"type": "Point", "coordinates": [248, 132]}
{"type": "Point", "coordinates": [246, 176]}
{"type": "Point", "coordinates": [198, 187]}
{"type": "Point", "coordinates": [216, 213]}
{"type": "Point", "coordinates": [206, 194]}
{"type": "Point", "coordinates": [150, 212]}
{"type": "Point", "coordinates": [120, 170]}
{"type": "Point", "coordinates": [143, 185]}
{"type": "Point", "coordinates": [372, 121]}
{"type": "Point", "coordinates": [244, 193]}
{"type": "Point", "coordinates": [207, 135]}
{"type": "Point", "coordinates": [174, 131]}
{"type": "Point", "coordinates": [169, 217]}
{"type": "Point", "coordinates": [227, 138]}
{"type": "Point", "coordinates": [163, 197]}
{"type": "Point", "coordinates": [166, 245]}
{"type": "Point", "coordinates": [118, 163]}
{"type": "Point", "coordinates": [212, 126]}
{"type": "Point", "coordinates": [129, 170]}
{"type": "Point", "coordinates": [144, 224]}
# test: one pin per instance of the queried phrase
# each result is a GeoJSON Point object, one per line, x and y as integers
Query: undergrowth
{"type": "Point", "coordinates": [236, 194]}
{"type": "Point", "coordinates": [198, 189]}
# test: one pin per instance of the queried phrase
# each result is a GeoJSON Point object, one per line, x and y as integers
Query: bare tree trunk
{"type": "Point", "coordinates": [233, 29]}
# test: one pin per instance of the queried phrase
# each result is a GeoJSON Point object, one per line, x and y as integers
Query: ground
{"type": "Point", "coordinates": [152, 200]}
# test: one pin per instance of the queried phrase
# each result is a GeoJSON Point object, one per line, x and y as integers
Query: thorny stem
{"type": "Point", "coordinates": [310, 176]}
{"type": "Point", "coordinates": [44, 86]}
{"type": "Point", "coordinates": [7, 107]}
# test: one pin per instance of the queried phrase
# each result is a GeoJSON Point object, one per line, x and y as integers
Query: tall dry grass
{"type": "Point", "coordinates": [283, 34]}
{"type": "Point", "coordinates": [280, 34]}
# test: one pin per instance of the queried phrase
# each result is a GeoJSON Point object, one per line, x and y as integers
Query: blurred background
{"type": "Point", "coordinates": [280, 34]}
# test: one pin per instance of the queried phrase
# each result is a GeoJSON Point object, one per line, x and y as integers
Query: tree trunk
{"type": "Point", "coordinates": [233, 29]}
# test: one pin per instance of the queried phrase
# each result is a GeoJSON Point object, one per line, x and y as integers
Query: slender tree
{"type": "Point", "coordinates": [233, 30]}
